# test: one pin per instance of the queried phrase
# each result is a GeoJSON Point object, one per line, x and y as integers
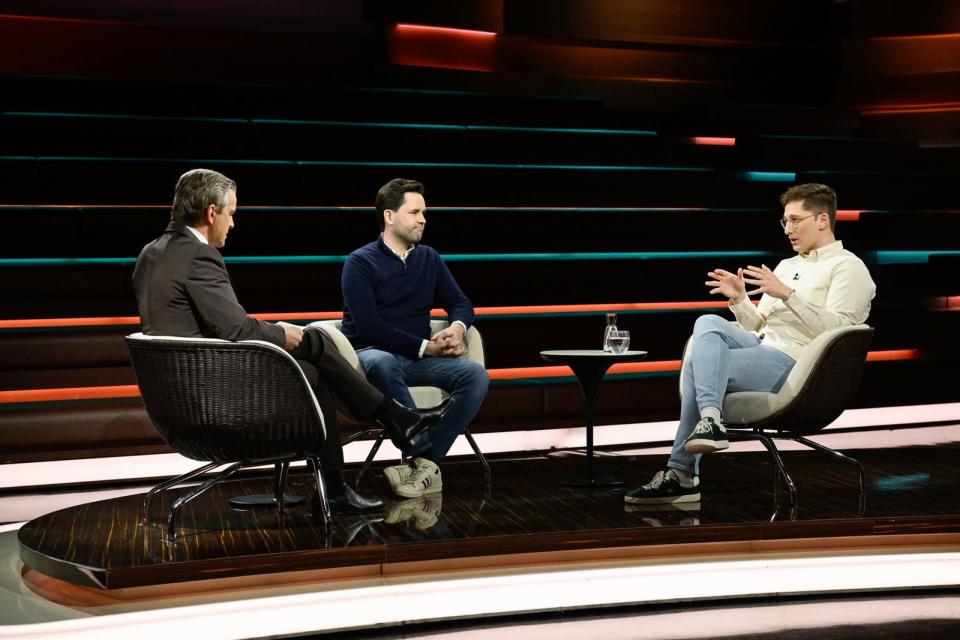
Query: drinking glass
{"type": "Point", "coordinates": [619, 341]}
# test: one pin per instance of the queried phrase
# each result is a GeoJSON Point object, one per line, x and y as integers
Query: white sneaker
{"type": "Point", "coordinates": [422, 512]}
{"type": "Point", "coordinates": [424, 479]}
{"type": "Point", "coordinates": [398, 474]}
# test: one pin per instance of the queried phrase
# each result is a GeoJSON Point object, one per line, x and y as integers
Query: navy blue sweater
{"type": "Point", "coordinates": [387, 303]}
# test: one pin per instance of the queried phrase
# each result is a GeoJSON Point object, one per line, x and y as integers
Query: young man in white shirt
{"type": "Point", "coordinates": [821, 288]}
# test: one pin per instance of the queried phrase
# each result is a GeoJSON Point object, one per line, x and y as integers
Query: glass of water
{"type": "Point", "coordinates": [619, 341]}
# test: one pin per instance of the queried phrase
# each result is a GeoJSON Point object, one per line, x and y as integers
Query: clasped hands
{"type": "Point", "coordinates": [447, 343]}
{"type": "Point", "coordinates": [733, 285]}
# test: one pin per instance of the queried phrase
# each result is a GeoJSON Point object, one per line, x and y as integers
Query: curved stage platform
{"type": "Point", "coordinates": [525, 515]}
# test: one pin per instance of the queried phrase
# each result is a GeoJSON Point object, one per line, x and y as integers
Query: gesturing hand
{"type": "Point", "coordinates": [727, 284]}
{"type": "Point", "coordinates": [766, 282]}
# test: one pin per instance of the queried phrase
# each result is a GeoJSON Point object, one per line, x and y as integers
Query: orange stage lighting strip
{"type": "Point", "coordinates": [525, 373]}
{"type": "Point", "coordinates": [40, 323]}
{"type": "Point", "coordinates": [70, 393]}
{"type": "Point", "coordinates": [518, 373]}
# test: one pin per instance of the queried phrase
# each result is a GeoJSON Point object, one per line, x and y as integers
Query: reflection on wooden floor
{"type": "Point", "coordinates": [909, 490]}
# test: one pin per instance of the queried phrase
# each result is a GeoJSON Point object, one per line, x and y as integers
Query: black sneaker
{"type": "Point", "coordinates": [665, 488]}
{"type": "Point", "coordinates": [708, 436]}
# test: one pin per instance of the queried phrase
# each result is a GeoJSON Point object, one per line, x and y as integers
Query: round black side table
{"type": "Point", "coordinates": [589, 366]}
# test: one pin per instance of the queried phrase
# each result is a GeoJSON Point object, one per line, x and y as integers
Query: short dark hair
{"type": "Point", "coordinates": [814, 198]}
{"type": "Point", "coordinates": [196, 190]}
{"type": "Point", "coordinates": [392, 194]}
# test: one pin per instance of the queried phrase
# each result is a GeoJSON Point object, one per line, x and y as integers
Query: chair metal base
{"type": "Point", "coordinates": [278, 500]}
{"type": "Point", "coordinates": [263, 501]}
{"type": "Point", "coordinates": [767, 439]}
{"type": "Point", "coordinates": [584, 479]}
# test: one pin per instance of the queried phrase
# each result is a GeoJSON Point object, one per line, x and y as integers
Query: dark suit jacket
{"type": "Point", "coordinates": [183, 289]}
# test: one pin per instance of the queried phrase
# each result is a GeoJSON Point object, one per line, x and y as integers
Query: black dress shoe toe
{"type": "Point", "coordinates": [403, 425]}
{"type": "Point", "coordinates": [346, 500]}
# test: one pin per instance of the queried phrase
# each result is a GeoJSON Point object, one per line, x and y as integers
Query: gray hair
{"type": "Point", "coordinates": [196, 190]}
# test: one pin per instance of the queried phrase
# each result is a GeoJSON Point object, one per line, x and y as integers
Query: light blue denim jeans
{"type": "Point", "coordinates": [724, 358]}
{"type": "Point", "coordinates": [463, 379]}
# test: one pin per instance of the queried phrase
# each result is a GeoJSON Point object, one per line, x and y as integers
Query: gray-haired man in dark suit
{"type": "Point", "coordinates": [183, 289]}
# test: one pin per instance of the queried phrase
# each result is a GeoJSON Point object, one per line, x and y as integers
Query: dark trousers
{"type": "Point", "coordinates": [332, 378]}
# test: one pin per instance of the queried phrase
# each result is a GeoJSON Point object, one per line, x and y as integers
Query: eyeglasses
{"type": "Point", "coordinates": [794, 222]}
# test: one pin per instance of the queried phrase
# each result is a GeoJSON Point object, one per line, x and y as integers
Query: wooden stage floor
{"type": "Point", "coordinates": [910, 490]}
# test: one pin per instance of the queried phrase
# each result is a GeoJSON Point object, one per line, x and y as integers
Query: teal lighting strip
{"type": "Point", "coordinates": [769, 176]}
{"type": "Point", "coordinates": [879, 257]}
{"type": "Point", "coordinates": [354, 163]}
{"type": "Point", "coordinates": [330, 123]}
{"type": "Point", "coordinates": [909, 257]}
{"type": "Point", "coordinates": [450, 257]}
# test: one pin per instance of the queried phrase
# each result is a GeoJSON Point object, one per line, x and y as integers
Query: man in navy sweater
{"type": "Point", "coordinates": [389, 287]}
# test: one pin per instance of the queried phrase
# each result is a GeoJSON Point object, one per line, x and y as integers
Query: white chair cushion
{"type": "Point", "coordinates": [422, 396]}
{"type": "Point", "coordinates": [746, 407]}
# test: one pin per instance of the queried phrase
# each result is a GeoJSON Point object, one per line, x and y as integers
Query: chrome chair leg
{"type": "Point", "coordinates": [182, 500]}
{"type": "Point", "coordinates": [281, 471]}
{"type": "Point", "coordinates": [321, 491]}
{"type": "Point", "coordinates": [820, 447]}
{"type": "Point", "coordinates": [772, 448]}
{"type": "Point", "coordinates": [370, 456]}
{"type": "Point", "coordinates": [145, 507]}
{"type": "Point", "coordinates": [487, 475]}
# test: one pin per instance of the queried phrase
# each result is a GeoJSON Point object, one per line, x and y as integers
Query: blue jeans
{"type": "Point", "coordinates": [724, 358]}
{"type": "Point", "coordinates": [464, 379]}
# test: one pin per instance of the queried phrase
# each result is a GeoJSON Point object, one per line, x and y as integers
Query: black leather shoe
{"type": "Point", "coordinates": [403, 425]}
{"type": "Point", "coordinates": [346, 500]}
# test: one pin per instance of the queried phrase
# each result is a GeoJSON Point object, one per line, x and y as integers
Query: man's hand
{"type": "Point", "coordinates": [727, 284]}
{"type": "Point", "coordinates": [293, 334]}
{"type": "Point", "coordinates": [448, 342]}
{"type": "Point", "coordinates": [766, 282]}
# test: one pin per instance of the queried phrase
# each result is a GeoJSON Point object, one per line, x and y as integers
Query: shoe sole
{"type": "Point", "coordinates": [432, 489]}
{"type": "Point", "coordinates": [705, 446]}
{"type": "Point", "coordinates": [673, 507]}
{"type": "Point", "coordinates": [689, 497]}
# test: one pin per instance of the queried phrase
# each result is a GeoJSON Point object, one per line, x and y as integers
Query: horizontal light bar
{"type": "Point", "coordinates": [358, 163]}
{"type": "Point", "coordinates": [515, 373]}
{"type": "Point", "coordinates": [713, 141]}
{"type": "Point", "coordinates": [848, 215]}
{"type": "Point", "coordinates": [449, 257]}
{"type": "Point", "coordinates": [490, 312]}
{"type": "Point", "coordinates": [352, 124]}
{"type": "Point", "coordinates": [909, 257]}
{"type": "Point", "coordinates": [769, 176]}
{"type": "Point", "coordinates": [424, 28]}
{"type": "Point", "coordinates": [366, 209]}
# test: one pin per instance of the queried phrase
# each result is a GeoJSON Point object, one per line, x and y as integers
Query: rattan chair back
{"type": "Point", "coordinates": [226, 401]}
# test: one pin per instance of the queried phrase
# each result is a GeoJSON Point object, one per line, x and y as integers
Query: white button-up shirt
{"type": "Point", "coordinates": [831, 288]}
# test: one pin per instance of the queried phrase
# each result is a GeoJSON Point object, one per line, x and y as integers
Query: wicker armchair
{"type": "Point", "coordinates": [422, 396]}
{"type": "Point", "coordinates": [817, 390]}
{"type": "Point", "coordinates": [245, 404]}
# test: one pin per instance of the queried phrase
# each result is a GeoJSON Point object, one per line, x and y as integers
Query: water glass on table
{"type": "Point", "coordinates": [619, 341]}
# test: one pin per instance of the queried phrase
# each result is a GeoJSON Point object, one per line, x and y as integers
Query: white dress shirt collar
{"type": "Point", "coordinates": [202, 238]}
